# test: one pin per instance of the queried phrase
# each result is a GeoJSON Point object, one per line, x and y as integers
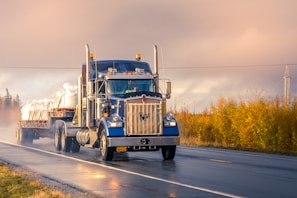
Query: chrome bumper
{"type": "Point", "coordinates": [142, 141]}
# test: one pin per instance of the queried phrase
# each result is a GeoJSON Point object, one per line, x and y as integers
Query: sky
{"type": "Point", "coordinates": [208, 48]}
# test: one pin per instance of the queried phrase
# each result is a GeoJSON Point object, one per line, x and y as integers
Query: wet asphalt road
{"type": "Point", "coordinates": [195, 172]}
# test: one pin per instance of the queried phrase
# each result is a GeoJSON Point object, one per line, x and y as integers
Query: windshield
{"type": "Point", "coordinates": [128, 86]}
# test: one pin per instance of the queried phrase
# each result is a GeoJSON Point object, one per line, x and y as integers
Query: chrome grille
{"type": "Point", "coordinates": [143, 118]}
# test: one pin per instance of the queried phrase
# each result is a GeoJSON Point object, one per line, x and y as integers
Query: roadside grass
{"type": "Point", "coordinates": [17, 184]}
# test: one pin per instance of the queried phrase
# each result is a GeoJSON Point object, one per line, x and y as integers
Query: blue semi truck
{"type": "Point", "coordinates": [119, 109]}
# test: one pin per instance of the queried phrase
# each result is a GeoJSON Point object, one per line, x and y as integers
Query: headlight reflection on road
{"type": "Point", "coordinates": [90, 173]}
{"type": "Point", "coordinates": [172, 194]}
{"type": "Point", "coordinates": [99, 176]}
{"type": "Point", "coordinates": [114, 184]}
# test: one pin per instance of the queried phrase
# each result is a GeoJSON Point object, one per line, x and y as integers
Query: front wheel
{"type": "Point", "coordinates": [168, 152]}
{"type": "Point", "coordinates": [106, 152]}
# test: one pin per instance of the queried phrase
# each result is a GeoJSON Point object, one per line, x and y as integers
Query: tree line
{"type": "Point", "coordinates": [9, 109]}
{"type": "Point", "coordinates": [7, 101]}
{"type": "Point", "coordinates": [257, 124]}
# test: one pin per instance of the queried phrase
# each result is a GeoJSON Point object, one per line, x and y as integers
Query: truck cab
{"type": "Point", "coordinates": [120, 109]}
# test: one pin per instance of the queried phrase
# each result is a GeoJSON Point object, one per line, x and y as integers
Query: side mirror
{"type": "Point", "coordinates": [168, 89]}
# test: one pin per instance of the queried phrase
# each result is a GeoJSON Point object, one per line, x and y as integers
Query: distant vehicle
{"type": "Point", "coordinates": [119, 108]}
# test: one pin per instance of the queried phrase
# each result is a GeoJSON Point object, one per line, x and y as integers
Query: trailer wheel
{"type": "Point", "coordinates": [24, 136]}
{"type": "Point", "coordinates": [19, 135]}
{"type": "Point", "coordinates": [168, 152]}
{"type": "Point", "coordinates": [106, 152]}
{"type": "Point", "coordinates": [65, 141]}
{"type": "Point", "coordinates": [27, 136]}
{"type": "Point", "coordinates": [57, 139]}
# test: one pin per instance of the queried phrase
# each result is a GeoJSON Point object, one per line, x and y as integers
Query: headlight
{"type": "Point", "coordinates": [115, 121]}
{"type": "Point", "coordinates": [169, 123]}
{"type": "Point", "coordinates": [115, 124]}
{"type": "Point", "coordinates": [115, 117]}
{"type": "Point", "coordinates": [169, 120]}
{"type": "Point", "coordinates": [169, 116]}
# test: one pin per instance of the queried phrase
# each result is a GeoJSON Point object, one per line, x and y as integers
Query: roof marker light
{"type": "Point", "coordinates": [138, 57]}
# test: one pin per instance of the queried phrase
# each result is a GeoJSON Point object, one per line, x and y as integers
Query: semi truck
{"type": "Point", "coordinates": [120, 108]}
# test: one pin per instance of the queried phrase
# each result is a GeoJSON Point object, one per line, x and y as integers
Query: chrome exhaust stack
{"type": "Point", "coordinates": [89, 88]}
{"type": "Point", "coordinates": [156, 67]}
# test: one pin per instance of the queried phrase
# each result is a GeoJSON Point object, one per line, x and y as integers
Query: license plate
{"type": "Point", "coordinates": [121, 149]}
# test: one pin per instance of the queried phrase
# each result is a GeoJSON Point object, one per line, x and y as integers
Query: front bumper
{"type": "Point", "coordinates": [142, 141]}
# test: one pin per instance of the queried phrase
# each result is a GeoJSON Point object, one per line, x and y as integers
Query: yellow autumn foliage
{"type": "Point", "coordinates": [257, 124]}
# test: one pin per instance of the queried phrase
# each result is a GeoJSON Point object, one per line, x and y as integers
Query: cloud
{"type": "Point", "coordinates": [216, 44]}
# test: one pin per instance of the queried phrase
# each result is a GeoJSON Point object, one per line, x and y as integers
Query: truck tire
{"type": "Point", "coordinates": [106, 152]}
{"type": "Point", "coordinates": [168, 152]}
{"type": "Point", "coordinates": [24, 136]}
{"type": "Point", "coordinates": [57, 139]}
{"type": "Point", "coordinates": [28, 135]}
{"type": "Point", "coordinates": [19, 135]}
{"type": "Point", "coordinates": [75, 146]}
{"type": "Point", "coordinates": [66, 142]}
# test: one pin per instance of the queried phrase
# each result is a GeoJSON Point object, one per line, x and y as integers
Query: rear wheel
{"type": "Point", "coordinates": [168, 152]}
{"type": "Point", "coordinates": [65, 141]}
{"type": "Point", "coordinates": [24, 136]}
{"type": "Point", "coordinates": [19, 135]}
{"type": "Point", "coordinates": [29, 136]}
{"type": "Point", "coordinates": [57, 139]}
{"type": "Point", "coordinates": [106, 152]}
{"type": "Point", "coordinates": [75, 146]}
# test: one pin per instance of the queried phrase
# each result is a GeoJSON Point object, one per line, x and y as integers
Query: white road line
{"type": "Point", "coordinates": [220, 161]}
{"type": "Point", "coordinates": [128, 172]}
